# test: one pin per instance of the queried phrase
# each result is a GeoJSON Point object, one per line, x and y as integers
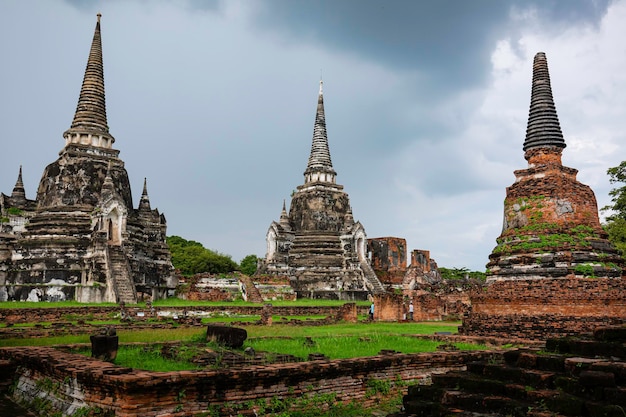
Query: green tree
{"type": "Point", "coordinates": [615, 222]}
{"type": "Point", "coordinates": [461, 273]}
{"type": "Point", "coordinates": [190, 257]}
{"type": "Point", "coordinates": [248, 265]}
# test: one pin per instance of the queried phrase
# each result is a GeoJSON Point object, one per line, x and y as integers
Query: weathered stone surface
{"type": "Point", "coordinates": [229, 336]}
{"type": "Point", "coordinates": [104, 345]}
{"type": "Point", "coordinates": [528, 382]}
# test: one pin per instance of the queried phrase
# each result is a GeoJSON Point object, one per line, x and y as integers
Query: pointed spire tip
{"type": "Point", "coordinates": [99, 15]}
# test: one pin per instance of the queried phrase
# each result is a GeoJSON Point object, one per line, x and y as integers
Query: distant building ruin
{"type": "Point", "coordinates": [318, 245]}
{"type": "Point", "coordinates": [388, 257]}
{"type": "Point", "coordinates": [81, 238]}
{"type": "Point", "coordinates": [553, 271]}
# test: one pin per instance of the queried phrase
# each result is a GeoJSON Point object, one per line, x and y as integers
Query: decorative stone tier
{"type": "Point", "coordinates": [322, 208]}
{"type": "Point", "coordinates": [542, 308]}
{"type": "Point", "coordinates": [71, 382]}
{"type": "Point", "coordinates": [316, 249]}
{"type": "Point", "coordinates": [78, 180]}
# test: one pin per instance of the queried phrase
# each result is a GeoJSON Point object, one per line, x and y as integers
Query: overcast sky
{"type": "Point", "coordinates": [214, 102]}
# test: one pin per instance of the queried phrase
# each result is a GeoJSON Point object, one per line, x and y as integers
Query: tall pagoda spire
{"type": "Point", "coordinates": [89, 126]}
{"type": "Point", "coordinates": [284, 218]}
{"type": "Point", "coordinates": [144, 202]}
{"type": "Point", "coordinates": [18, 191]}
{"type": "Point", "coordinates": [543, 129]}
{"type": "Point", "coordinates": [320, 166]}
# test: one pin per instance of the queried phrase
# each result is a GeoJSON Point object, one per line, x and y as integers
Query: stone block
{"type": "Point", "coordinates": [233, 337]}
{"type": "Point", "coordinates": [104, 346]}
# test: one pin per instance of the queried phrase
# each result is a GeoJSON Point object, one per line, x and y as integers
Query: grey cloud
{"type": "Point", "coordinates": [448, 41]}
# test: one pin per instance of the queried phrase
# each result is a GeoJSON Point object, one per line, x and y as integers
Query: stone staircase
{"type": "Point", "coordinates": [570, 377]}
{"type": "Point", "coordinates": [252, 292]}
{"type": "Point", "coordinates": [371, 280]}
{"type": "Point", "coordinates": [122, 278]}
{"type": "Point", "coordinates": [315, 250]}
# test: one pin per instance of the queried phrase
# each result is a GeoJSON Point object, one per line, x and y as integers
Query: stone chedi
{"type": "Point", "coordinates": [553, 271]}
{"type": "Point", "coordinates": [551, 225]}
{"type": "Point", "coordinates": [81, 238]}
{"type": "Point", "coordinates": [318, 245]}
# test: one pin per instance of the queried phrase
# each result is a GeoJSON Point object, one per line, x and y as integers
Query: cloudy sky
{"type": "Point", "coordinates": [214, 102]}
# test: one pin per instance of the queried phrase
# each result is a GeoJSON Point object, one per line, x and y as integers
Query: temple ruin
{"type": "Point", "coordinates": [318, 245]}
{"type": "Point", "coordinates": [553, 271]}
{"type": "Point", "coordinates": [388, 258]}
{"type": "Point", "coordinates": [81, 238]}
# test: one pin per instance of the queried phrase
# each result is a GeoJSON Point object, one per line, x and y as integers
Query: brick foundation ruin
{"type": "Point", "coordinates": [537, 309]}
{"type": "Point", "coordinates": [71, 382]}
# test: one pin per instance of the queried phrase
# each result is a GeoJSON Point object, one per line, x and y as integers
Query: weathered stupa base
{"type": "Point", "coordinates": [542, 308]}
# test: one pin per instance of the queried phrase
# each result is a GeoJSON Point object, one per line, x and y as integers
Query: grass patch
{"type": "Point", "coordinates": [150, 358]}
{"type": "Point", "coordinates": [345, 347]}
{"type": "Point", "coordinates": [188, 334]}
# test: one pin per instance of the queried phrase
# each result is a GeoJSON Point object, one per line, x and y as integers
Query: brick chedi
{"type": "Point", "coordinates": [81, 238]}
{"type": "Point", "coordinates": [551, 225]}
{"type": "Point", "coordinates": [318, 245]}
{"type": "Point", "coordinates": [553, 271]}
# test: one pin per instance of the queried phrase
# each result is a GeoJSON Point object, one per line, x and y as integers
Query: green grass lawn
{"type": "Point", "coordinates": [186, 334]}
{"type": "Point", "coordinates": [344, 347]}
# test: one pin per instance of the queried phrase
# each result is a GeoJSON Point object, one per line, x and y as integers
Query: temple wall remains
{"type": "Point", "coordinates": [546, 308]}
{"type": "Point", "coordinates": [70, 382]}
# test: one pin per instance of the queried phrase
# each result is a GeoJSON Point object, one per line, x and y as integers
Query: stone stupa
{"type": "Point", "coordinates": [318, 245]}
{"type": "Point", "coordinates": [81, 239]}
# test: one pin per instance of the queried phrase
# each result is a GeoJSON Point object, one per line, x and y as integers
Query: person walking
{"type": "Point", "coordinates": [411, 311]}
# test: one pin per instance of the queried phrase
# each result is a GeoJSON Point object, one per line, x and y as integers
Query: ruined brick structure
{"type": "Point", "coordinates": [72, 382]}
{"type": "Point", "coordinates": [551, 233]}
{"type": "Point", "coordinates": [318, 245]}
{"type": "Point", "coordinates": [81, 238]}
{"type": "Point", "coordinates": [388, 257]}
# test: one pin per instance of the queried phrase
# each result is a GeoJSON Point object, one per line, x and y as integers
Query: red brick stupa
{"type": "Point", "coordinates": [553, 271]}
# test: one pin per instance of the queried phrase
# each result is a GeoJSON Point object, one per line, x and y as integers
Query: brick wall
{"type": "Point", "coordinates": [426, 306]}
{"type": "Point", "coordinates": [70, 381]}
{"type": "Point", "coordinates": [388, 256]}
{"type": "Point", "coordinates": [546, 307]}
{"type": "Point", "coordinates": [38, 315]}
